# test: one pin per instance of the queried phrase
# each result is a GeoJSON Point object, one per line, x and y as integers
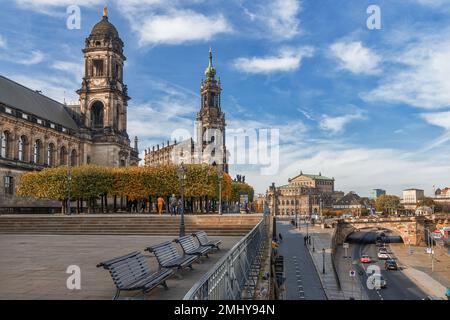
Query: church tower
{"type": "Point", "coordinates": [103, 95]}
{"type": "Point", "coordinates": [210, 121]}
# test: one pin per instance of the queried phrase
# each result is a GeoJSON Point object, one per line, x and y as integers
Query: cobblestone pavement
{"type": "Point", "coordinates": [302, 280]}
{"type": "Point", "coordinates": [34, 266]}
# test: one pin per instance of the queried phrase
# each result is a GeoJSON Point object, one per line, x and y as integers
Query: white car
{"type": "Point", "coordinates": [383, 255]}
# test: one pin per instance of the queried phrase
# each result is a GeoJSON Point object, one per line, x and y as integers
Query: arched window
{"type": "Point", "coordinates": [62, 156]}
{"type": "Point", "coordinates": [22, 148]}
{"type": "Point", "coordinates": [5, 141]}
{"type": "Point", "coordinates": [51, 154]}
{"type": "Point", "coordinates": [37, 151]}
{"type": "Point", "coordinates": [73, 158]}
{"type": "Point", "coordinates": [97, 113]}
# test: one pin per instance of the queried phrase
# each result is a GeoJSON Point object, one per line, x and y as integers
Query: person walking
{"type": "Point", "coordinates": [161, 202]}
{"type": "Point", "coordinates": [179, 206]}
{"type": "Point", "coordinates": [280, 237]}
{"type": "Point", "coordinates": [173, 204]}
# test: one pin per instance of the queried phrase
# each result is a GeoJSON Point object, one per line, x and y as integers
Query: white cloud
{"type": "Point", "coordinates": [73, 68]}
{"type": "Point", "coordinates": [337, 124]}
{"type": "Point", "coordinates": [35, 57]}
{"type": "Point", "coordinates": [288, 59]}
{"type": "Point", "coordinates": [421, 76]}
{"type": "Point", "coordinates": [356, 58]}
{"type": "Point", "coordinates": [357, 168]}
{"type": "Point", "coordinates": [281, 16]}
{"type": "Point", "coordinates": [440, 119]}
{"type": "Point", "coordinates": [2, 42]}
{"type": "Point", "coordinates": [276, 19]}
{"type": "Point", "coordinates": [179, 26]}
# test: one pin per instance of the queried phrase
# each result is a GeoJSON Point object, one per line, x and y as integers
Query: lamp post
{"type": "Point", "coordinates": [323, 260]}
{"type": "Point", "coordinates": [220, 177]}
{"type": "Point", "coordinates": [69, 181]}
{"type": "Point", "coordinates": [182, 178]}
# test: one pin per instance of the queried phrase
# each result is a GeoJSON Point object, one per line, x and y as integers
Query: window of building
{"type": "Point", "coordinates": [63, 156]}
{"type": "Point", "coordinates": [51, 154]}
{"type": "Point", "coordinates": [37, 151]}
{"type": "Point", "coordinates": [97, 115]}
{"type": "Point", "coordinates": [97, 68]}
{"type": "Point", "coordinates": [9, 185]}
{"type": "Point", "coordinates": [73, 158]}
{"type": "Point", "coordinates": [21, 148]}
{"type": "Point", "coordinates": [5, 140]}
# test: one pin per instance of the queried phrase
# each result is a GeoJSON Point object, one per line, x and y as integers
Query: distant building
{"type": "Point", "coordinates": [305, 194]}
{"type": "Point", "coordinates": [353, 202]}
{"type": "Point", "coordinates": [442, 198]}
{"type": "Point", "coordinates": [375, 193]}
{"type": "Point", "coordinates": [411, 198]}
{"type": "Point", "coordinates": [423, 210]}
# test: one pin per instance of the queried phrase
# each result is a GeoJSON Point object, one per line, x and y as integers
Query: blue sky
{"type": "Point", "coordinates": [370, 108]}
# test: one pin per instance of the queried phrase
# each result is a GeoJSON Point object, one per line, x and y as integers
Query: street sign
{"type": "Point", "coordinates": [345, 245]}
{"type": "Point", "coordinates": [352, 273]}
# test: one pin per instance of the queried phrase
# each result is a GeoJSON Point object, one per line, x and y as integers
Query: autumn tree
{"type": "Point", "coordinates": [387, 203]}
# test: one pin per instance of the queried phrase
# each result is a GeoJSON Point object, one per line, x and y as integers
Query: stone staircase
{"type": "Point", "coordinates": [127, 224]}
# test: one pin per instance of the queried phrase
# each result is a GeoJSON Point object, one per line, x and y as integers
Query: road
{"type": "Point", "coordinates": [399, 286]}
{"type": "Point", "coordinates": [302, 280]}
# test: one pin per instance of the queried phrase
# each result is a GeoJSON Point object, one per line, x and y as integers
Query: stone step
{"type": "Point", "coordinates": [137, 225]}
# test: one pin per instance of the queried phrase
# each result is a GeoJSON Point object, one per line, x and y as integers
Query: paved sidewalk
{"type": "Point", "coordinates": [321, 239]}
{"type": "Point", "coordinates": [418, 268]}
{"type": "Point", "coordinates": [34, 266]}
{"type": "Point", "coordinates": [302, 280]}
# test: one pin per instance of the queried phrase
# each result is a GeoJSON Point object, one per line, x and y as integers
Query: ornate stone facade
{"type": "Point", "coordinates": [208, 145]}
{"type": "Point", "coordinates": [38, 132]}
{"type": "Point", "coordinates": [305, 194]}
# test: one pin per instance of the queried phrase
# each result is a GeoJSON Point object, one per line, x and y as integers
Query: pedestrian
{"type": "Point", "coordinates": [280, 237]}
{"type": "Point", "coordinates": [179, 206]}
{"type": "Point", "coordinates": [161, 202]}
{"type": "Point", "coordinates": [304, 240]}
{"type": "Point", "coordinates": [143, 205]}
{"type": "Point", "coordinates": [173, 204]}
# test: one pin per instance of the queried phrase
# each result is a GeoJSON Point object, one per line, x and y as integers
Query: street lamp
{"type": "Point", "coordinates": [69, 181]}
{"type": "Point", "coordinates": [182, 178]}
{"type": "Point", "coordinates": [323, 260]}
{"type": "Point", "coordinates": [220, 176]}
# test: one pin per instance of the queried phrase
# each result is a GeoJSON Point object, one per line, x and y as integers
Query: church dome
{"type": "Point", "coordinates": [105, 29]}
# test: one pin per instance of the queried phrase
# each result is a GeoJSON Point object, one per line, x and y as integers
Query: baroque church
{"type": "Point", "coordinates": [37, 132]}
{"type": "Point", "coordinates": [208, 144]}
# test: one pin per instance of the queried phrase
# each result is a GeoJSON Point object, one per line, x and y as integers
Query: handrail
{"type": "Point", "coordinates": [226, 280]}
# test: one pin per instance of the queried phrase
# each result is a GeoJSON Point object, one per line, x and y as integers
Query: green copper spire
{"type": "Point", "coordinates": [210, 71]}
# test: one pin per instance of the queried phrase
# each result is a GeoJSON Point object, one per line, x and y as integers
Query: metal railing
{"type": "Point", "coordinates": [229, 277]}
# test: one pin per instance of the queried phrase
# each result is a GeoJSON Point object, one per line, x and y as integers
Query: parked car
{"type": "Point", "coordinates": [383, 255]}
{"type": "Point", "coordinates": [365, 259]}
{"type": "Point", "coordinates": [382, 250]}
{"type": "Point", "coordinates": [390, 264]}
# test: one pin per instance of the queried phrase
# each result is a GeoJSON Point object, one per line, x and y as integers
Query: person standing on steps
{"type": "Point", "coordinates": [160, 204]}
{"type": "Point", "coordinates": [173, 205]}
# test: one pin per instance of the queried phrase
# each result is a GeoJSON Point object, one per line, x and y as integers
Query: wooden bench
{"type": "Point", "coordinates": [168, 257]}
{"type": "Point", "coordinates": [190, 246]}
{"type": "Point", "coordinates": [132, 272]}
{"type": "Point", "coordinates": [202, 238]}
